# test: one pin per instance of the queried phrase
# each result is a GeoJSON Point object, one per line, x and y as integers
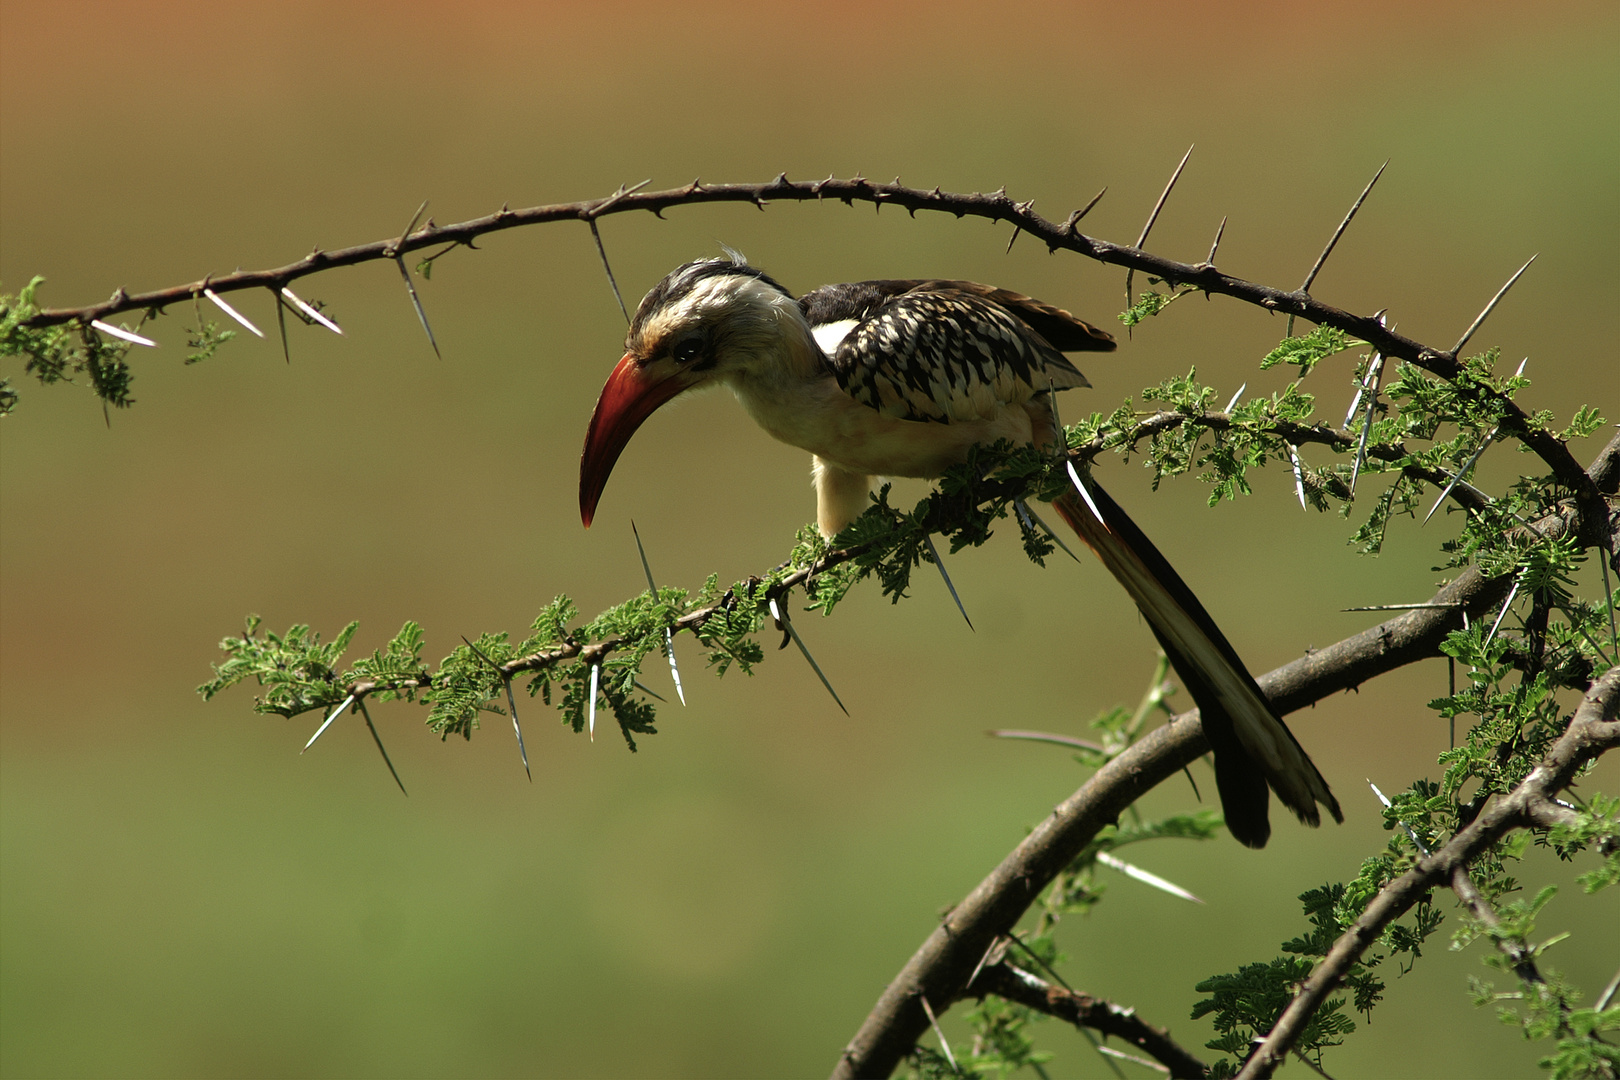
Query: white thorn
{"type": "Point", "coordinates": [1299, 477]}
{"type": "Point", "coordinates": [1145, 877]}
{"type": "Point", "coordinates": [1455, 480]}
{"type": "Point", "coordinates": [669, 636]}
{"type": "Point", "coordinates": [232, 312]}
{"type": "Point", "coordinates": [1230, 405]}
{"type": "Point", "coordinates": [1409, 830]}
{"type": "Point", "coordinates": [674, 668]}
{"type": "Point", "coordinates": [596, 670]}
{"type": "Point", "coordinates": [1503, 613]}
{"type": "Point", "coordinates": [328, 722]}
{"type": "Point", "coordinates": [943, 1045]}
{"type": "Point", "coordinates": [1084, 494]}
{"type": "Point", "coordinates": [786, 623]}
{"type": "Point", "coordinates": [127, 335]}
{"type": "Point", "coordinates": [311, 312]}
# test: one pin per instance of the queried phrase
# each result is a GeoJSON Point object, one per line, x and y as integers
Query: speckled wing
{"type": "Point", "coordinates": [946, 355]}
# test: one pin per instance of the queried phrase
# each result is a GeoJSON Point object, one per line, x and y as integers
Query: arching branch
{"type": "Point", "coordinates": [995, 206]}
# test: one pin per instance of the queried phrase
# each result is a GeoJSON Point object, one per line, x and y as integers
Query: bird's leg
{"type": "Point", "coordinates": [841, 496]}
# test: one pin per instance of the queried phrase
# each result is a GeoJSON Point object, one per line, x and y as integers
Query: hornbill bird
{"type": "Point", "coordinates": [901, 378]}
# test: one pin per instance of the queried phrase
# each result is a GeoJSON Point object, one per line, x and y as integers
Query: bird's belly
{"type": "Point", "coordinates": [843, 432]}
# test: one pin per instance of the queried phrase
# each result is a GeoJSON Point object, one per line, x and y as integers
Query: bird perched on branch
{"type": "Point", "coordinates": [901, 378]}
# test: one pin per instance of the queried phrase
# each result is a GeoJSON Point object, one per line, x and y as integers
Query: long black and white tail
{"type": "Point", "coordinates": [1253, 747]}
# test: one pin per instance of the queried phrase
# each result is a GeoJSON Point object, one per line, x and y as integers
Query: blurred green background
{"type": "Point", "coordinates": [183, 894]}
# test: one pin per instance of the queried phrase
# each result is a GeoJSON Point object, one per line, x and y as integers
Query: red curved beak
{"type": "Point", "coordinates": [629, 397]}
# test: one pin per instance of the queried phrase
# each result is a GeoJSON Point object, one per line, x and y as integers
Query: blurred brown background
{"type": "Point", "coordinates": [185, 895]}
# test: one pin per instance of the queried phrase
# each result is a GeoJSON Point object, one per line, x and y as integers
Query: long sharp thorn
{"type": "Point", "coordinates": [1375, 377]}
{"type": "Point", "coordinates": [311, 312]}
{"type": "Point", "coordinates": [1049, 737]}
{"type": "Point", "coordinates": [779, 614]}
{"type": "Point", "coordinates": [1299, 476]}
{"type": "Point", "coordinates": [122, 334]}
{"type": "Point", "coordinates": [1608, 595]}
{"type": "Point", "coordinates": [1500, 615]}
{"type": "Point", "coordinates": [1343, 225]}
{"type": "Point", "coordinates": [1030, 516]}
{"type": "Point", "coordinates": [1402, 607]}
{"type": "Point", "coordinates": [1491, 306]}
{"type": "Point", "coordinates": [669, 635]}
{"type": "Point", "coordinates": [517, 729]}
{"type": "Point", "coordinates": [1104, 1052]}
{"type": "Point", "coordinates": [932, 550]}
{"type": "Point", "coordinates": [1084, 494]}
{"type": "Point", "coordinates": [1409, 830]}
{"type": "Point", "coordinates": [510, 701]}
{"type": "Point", "coordinates": [602, 207]}
{"type": "Point", "coordinates": [674, 668]}
{"type": "Point", "coordinates": [596, 674]}
{"type": "Point", "coordinates": [328, 722]}
{"type": "Point", "coordinates": [399, 245]}
{"type": "Point", "coordinates": [1086, 209]}
{"type": "Point", "coordinates": [376, 738]}
{"type": "Point", "coordinates": [1219, 232]}
{"type": "Point", "coordinates": [1608, 992]}
{"type": "Point", "coordinates": [602, 251]}
{"type": "Point", "coordinates": [1145, 877]}
{"type": "Point", "coordinates": [1230, 405]}
{"type": "Point", "coordinates": [232, 312]}
{"type": "Point", "coordinates": [416, 302]}
{"type": "Point", "coordinates": [281, 321]}
{"type": "Point", "coordinates": [1457, 479]}
{"type": "Point", "coordinates": [1016, 231]}
{"type": "Point", "coordinates": [1137, 1059]}
{"type": "Point", "coordinates": [1154, 216]}
{"type": "Point", "coordinates": [649, 691]}
{"type": "Point", "coordinates": [983, 960]}
{"type": "Point", "coordinates": [940, 1035]}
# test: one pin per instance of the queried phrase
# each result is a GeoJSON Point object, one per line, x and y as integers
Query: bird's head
{"type": "Point", "coordinates": [707, 322]}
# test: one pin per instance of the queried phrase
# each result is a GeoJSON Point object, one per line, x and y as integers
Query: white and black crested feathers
{"type": "Point", "coordinates": [946, 355]}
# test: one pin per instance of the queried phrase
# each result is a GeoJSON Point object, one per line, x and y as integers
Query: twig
{"type": "Point", "coordinates": [1082, 1010]}
{"type": "Point", "coordinates": [997, 208]}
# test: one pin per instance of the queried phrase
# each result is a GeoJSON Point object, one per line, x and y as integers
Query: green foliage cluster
{"type": "Point", "coordinates": [55, 354]}
{"type": "Point", "coordinates": [60, 353]}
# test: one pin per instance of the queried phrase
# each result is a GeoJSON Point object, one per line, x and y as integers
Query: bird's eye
{"type": "Point", "coordinates": [689, 350]}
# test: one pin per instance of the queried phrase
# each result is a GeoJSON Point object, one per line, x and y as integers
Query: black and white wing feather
{"type": "Point", "coordinates": [946, 354]}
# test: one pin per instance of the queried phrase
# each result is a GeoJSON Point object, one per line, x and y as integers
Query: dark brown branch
{"type": "Point", "coordinates": [945, 961]}
{"type": "Point", "coordinates": [1593, 731]}
{"type": "Point", "coordinates": [1083, 1010]}
{"type": "Point", "coordinates": [995, 206]}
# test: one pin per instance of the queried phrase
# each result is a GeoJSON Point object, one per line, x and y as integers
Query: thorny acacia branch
{"type": "Point", "coordinates": [941, 968]}
{"type": "Point", "coordinates": [943, 964]}
{"type": "Point", "coordinates": [995, 206]}
{"type": "Point", "coordinates": [1593, 731]}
